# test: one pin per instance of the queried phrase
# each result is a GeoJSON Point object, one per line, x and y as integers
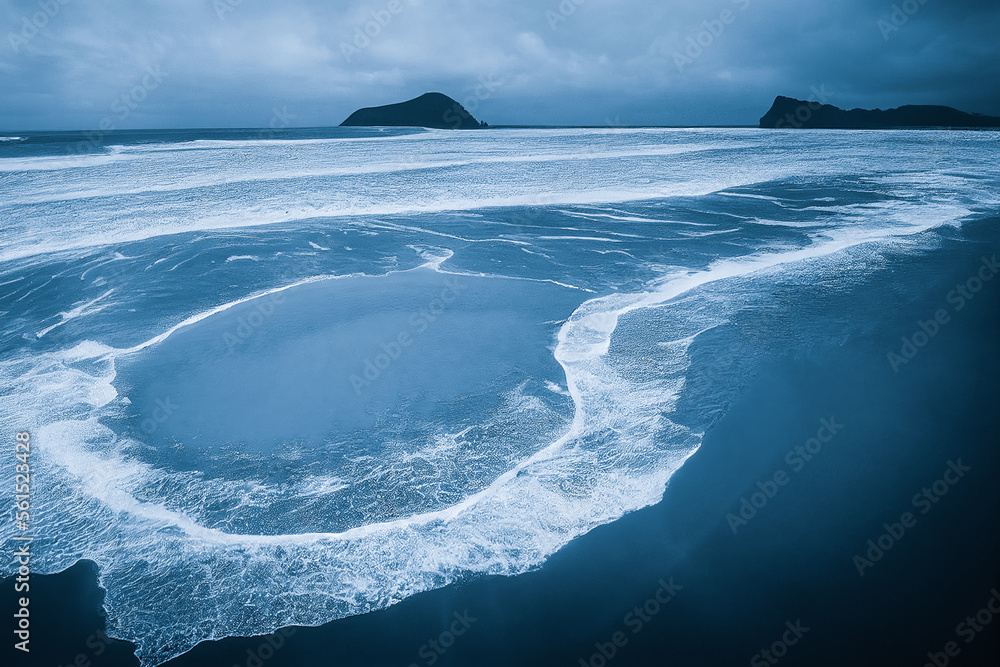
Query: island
{"type": "Point", "coordinates": [787, 112]}
{"type": "Point", "coordinates": [433, 110]}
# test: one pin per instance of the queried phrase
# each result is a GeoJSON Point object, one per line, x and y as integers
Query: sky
{"type": "Point", "coordinates": [128, 64]}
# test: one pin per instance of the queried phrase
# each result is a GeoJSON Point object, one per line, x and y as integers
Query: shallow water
{"type": "Point", "coordinates": [183, 317]}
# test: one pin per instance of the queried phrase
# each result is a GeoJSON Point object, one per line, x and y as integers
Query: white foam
{"type": "Point", "coordinates": [101, 237]}
{"type": "Point", "coordinates": [434, 257]}
{"type": "Point", "coordinates": [512, 524]}
{"type": "Point", "coordinates": [78, 311]}
{"type": "Point", "coordinates": [148, 526]}
{"type": "Point", "coordinates": [322, 485]}
{"type": "Point", "coordinates": [160, 184]}
{"type": "Point", "coordinates": [610, 252]}
{"type": "Point", "coordinates": [58, 162]}
{"type": "Point", "coordinates": [578, 238]}
{"type": "Point", "coordinates": [198, 317]}
{"type": "Point", "coordinates": [556, 389]}
{"type": "Point", "coordinates": [746, 195]}
{"type": "Point", "coordinates": [235, 144]}
{"type": "Point", "coordinates": [82, 206]}
{"type": "Point", "coordinates": [711, 233]}
{"type": "Point", "coordinates": [582, 341]}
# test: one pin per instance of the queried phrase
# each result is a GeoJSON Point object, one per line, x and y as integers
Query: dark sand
{"type": "Point", "coordinates": [67, 622]}
{"type": "Point", "coordinates": [790, 563]}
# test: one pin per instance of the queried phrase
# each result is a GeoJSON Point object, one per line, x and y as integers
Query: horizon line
{"type": "Point", "coordinates": [354, 127]}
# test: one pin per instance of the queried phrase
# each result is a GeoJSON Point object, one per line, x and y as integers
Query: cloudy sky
{"type": "Point", "coordinates": [73, 64]}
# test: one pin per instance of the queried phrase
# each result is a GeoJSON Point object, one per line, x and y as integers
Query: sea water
{"type": "Point", "coordinates": [280, 378]}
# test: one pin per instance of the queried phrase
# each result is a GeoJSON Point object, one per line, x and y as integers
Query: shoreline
{"type": "Point", "coordinates": [721, 597]}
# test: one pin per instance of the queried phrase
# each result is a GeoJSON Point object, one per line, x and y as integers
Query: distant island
{"type": "Point", "coordinates": [433, 110]}
{"type": "Point", "coordinates": [787, 112]}
{"type": "Point", "coordinates": [438, 111]}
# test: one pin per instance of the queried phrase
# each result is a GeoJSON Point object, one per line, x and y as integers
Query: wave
{"type": "Point", "coordinates": [378, 135]}
{"type": "Point", "coordinates": [240, 218]}
{"type": "Point", "coordinates": [261, 142]}
{"type": "Point", "coordinates": [79, 311]}
{"type": "Point", "coordinates": [59, 162]}
{"type": "Point", "coordinates": [615, 456]}
{"type": "Point", "coordinates": [209, 548]}
{"type": "Point", "coordinates": [271, 175]}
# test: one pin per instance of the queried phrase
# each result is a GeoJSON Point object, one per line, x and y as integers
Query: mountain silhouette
{"type": "Point", "coordinates": [434, 110]}
{"type": "Point", "coordinates": [787, 112]}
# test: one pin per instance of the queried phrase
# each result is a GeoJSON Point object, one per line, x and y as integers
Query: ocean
{"type": "Point", "coordinates": [281, 378]}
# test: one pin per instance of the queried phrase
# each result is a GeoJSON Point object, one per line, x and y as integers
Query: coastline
{"type": "Point", "coordinates": [794, 560]}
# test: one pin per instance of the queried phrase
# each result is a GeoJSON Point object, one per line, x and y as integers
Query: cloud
{"type": "Point", "coordinates": [231, 62]}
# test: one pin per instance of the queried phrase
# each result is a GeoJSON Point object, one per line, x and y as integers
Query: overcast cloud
{"type": "Point", "coordinates": [251, 63]}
